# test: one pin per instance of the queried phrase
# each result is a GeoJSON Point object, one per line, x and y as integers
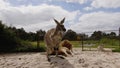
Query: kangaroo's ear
{"type": "Point", "coordinates": [62, 21]}
{"type": "Point", "coordinates": [56, 22]}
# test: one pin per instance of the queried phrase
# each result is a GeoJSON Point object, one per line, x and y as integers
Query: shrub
{"type": "Point", "coordinates": [8, 40]}
{"type": "Point", "coordinates": [116, 50]}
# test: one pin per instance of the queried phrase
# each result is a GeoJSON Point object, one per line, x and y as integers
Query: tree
{"type": "Point", "coordinates": [112, 35]}
{"type": "Point", "coordinates": [82, 36]}
{"type": "Point", "coordinates": [8, 40]}
{"type": "Point", "coordinates": [40, 34]}
{"type": "Point", "coordinates": [97, 35]}
{"type": "Point", "coordinates": [70, 35]}
{"type": "Point", "coordinates": [21, 34]}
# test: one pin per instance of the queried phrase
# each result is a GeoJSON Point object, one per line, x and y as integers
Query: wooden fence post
{"type": "Point", "coordinates": [119, 37]}
{"type": "Point", "coordinates": [82, 43]}
{"type": "Point", "coordinates": [38, 39]}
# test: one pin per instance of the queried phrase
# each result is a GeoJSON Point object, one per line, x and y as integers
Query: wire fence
{"type": "Point", "coordinates": [110, 43]}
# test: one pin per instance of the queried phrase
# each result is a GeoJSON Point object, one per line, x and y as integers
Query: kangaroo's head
{"type": "Point", "coordinates": [60, 25]}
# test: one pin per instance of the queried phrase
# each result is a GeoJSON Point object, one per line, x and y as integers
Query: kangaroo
{"type": "Point", "coordinates": [53, 38]}
{"type": "Point", "coordinates": [65, 49]}
{"type": "Point", "coordinates": [68, 45]}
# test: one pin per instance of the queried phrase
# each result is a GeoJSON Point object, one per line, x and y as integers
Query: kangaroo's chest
{"type": "Point", "coordinates": [57, 37]}
{"type": "Point", "coordinates": [54, 37]}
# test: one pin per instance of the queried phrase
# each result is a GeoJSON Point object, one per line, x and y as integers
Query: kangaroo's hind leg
{"type": "Point", "coordinates": [49, 53]}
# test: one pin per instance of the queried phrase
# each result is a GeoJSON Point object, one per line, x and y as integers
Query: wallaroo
{"type": "Point", "coordinates": [66, 48]}
{"type": "Point", "coordinates": [53, 38]}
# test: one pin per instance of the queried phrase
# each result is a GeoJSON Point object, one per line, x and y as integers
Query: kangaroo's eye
{"type": "Point", "coordinates": [62, 25]}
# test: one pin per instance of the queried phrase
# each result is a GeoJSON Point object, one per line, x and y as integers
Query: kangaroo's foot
{"type": "Point", "coordinates": [60, 56]}
{"type": "Point", "coordinates": [48, 58]}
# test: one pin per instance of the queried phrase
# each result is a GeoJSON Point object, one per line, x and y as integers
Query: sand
{"type": "Point", "coordinates": [81, 59]}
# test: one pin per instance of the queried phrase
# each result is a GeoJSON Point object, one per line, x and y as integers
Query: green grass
{"type": "Point", "coordinates": [76, 43]}
{"type": "Point", "coordinates": [42, 44]}
{"type": "Point", "coordinates": [30, 47]}
{"type": "Point", "coordinates": [108, 43]}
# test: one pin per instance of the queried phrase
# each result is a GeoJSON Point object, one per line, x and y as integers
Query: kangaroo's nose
{"type": "Point", "coordinates": [64, 29]}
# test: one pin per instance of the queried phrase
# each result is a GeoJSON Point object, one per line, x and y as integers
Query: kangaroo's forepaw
{"type": "Point", "coordinates": [61, 57]}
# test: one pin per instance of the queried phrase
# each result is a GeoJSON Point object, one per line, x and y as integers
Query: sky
{"type": "Point", "coordinates": [80, 15]}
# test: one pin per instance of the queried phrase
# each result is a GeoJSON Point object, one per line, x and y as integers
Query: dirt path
{"type": "Point", "coordinates": [81, 59]}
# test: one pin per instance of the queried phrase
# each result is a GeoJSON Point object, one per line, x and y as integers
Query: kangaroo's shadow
{"type": "Point", "coordinates": [60, 63]}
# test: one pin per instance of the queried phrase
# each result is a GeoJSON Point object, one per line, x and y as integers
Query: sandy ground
{"type": "Point", "coordinates": [81, 59]}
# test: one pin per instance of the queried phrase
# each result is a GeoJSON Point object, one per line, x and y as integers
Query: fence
{"type": "Point", "coordinates": [107, 42]}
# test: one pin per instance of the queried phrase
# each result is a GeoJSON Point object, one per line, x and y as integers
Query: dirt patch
{"type": "Point", "coordinates": [81, 59]}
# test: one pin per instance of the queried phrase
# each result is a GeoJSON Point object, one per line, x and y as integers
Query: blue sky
{"type": "Point", "coordinates": [70, 6]}
{"type": "Point", "coordinates": [81, 15]}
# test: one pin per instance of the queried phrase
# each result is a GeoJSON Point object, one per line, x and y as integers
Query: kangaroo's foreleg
{"type": "Point", "coordinates": [56, 50]}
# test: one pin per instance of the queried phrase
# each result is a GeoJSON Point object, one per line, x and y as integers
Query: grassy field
{"type": "Point", "coordinates": [42, 44]}
{"type": "Point", "coordinates": [108, 43]}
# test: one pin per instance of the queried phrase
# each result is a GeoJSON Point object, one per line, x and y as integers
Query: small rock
{"type": "Point", "coordinates": [19, 58]}
{"type": "Point", "coordinates": [81, 60]}
{"type": "Point", "coordinates": [85, 65]}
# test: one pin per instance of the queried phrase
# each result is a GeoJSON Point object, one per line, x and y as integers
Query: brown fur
{"type": "Point", "coordinates": [67, 44]}
{"type": "Point", "coordinates": [65, 48]}
{"type": "Point", "coordinates": [53, 37]}
{"type": "Point", "coordinates": [63, 51]}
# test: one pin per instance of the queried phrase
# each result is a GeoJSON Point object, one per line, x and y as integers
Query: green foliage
{"type": "Point", "coordinates": [116, 50]}
{"type": "Point", "coordinates": [8, 40]}
{"type": "Point", "coordinates": [40, 35]}
{"type": "Point", "coordinates": [30, 47]}
{"type": "Point", "coordinates": [70, 35]}
{"type": "Point", "coordinates": [110, 43]}
{"type": "Point", "coordinates": [30, 36]}
{"type": "Point", "coordinates": [97, 35]}
{"type": "Point", "coordinates": [12, 40]}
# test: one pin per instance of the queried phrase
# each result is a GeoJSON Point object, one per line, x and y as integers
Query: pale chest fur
{"type": "Point", "coordinates": [55, 39]}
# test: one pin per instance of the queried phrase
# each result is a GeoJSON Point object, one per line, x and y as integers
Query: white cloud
{"type": "Point", "coordinates": [88, 8]}
{"type": "Point", "coordinates": [105, 3]}
{"type": "Point", "coordinates": [76, 1]}
{"type": "Point", "coordinates": [3, 4]}
{"type": "Point", "coordinates": [32, 18]}
{"type": "Point", "coordinates": [97, 21]}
